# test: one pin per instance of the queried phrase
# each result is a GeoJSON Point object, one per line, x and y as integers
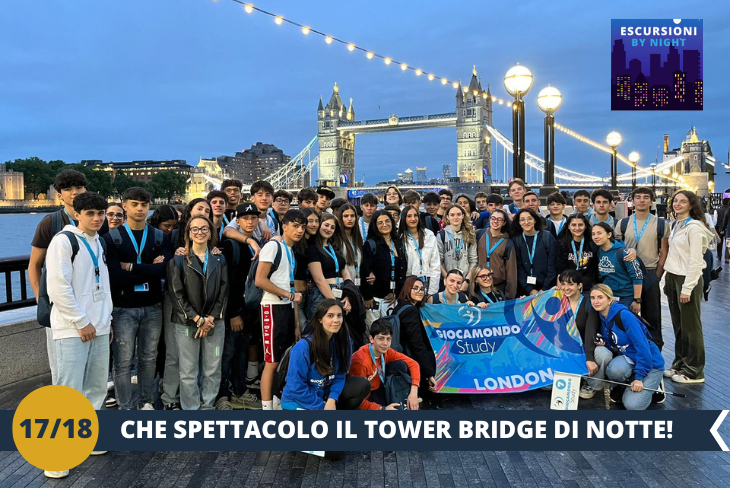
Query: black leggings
{"type": "Point", "coordinates": [356, 389]}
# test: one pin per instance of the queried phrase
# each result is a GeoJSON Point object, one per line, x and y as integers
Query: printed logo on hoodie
{"type": "Point", "coordinates": [605, 265]}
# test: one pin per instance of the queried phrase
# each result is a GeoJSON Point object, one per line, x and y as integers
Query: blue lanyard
{"type": "Point", "coordinates": [490, 250]}
{"type": "Point", "coordinates": [70, 220]}
{"type": "Point", "coordinates": [363, 230]}
{"type": "Point", "coordinates": [444, 300]}
{"type": "Point", "coordinates": [487, 297]}
{"type": "Point", "coordinates": [94, 258]}
{"type": "Point", "coordinates": [225, 219]}
{"type": "Point", "coordinates": [594, 220]}
{"type": "Point", "coordinates": [291, 266]}
{"type": "Point", "coordinates": [680, 225]}
{"type": "Point", "coordinates": [392, 262]}
{"type": "Point", "coordinates": [457, 250]}
{"type": "Point", "coordinates": [140, 248]}
{"type": "Point", "coordinates": [205, 263]}
{"type": "Point", "coordinates": [638, 234]}
{"type": "Point", "coordinates": [331, 253]}
{"type": "Point", "coordinates": [223, 226]}
{"type": "Point", "coordinates": [577, 309]}
{"type": "Point", "coordinates": [270, 220]}
{"type": "Point", "coordinates": [419, 250]}
{"type": "Point", "coordinates": [577, 255]}
{"type": "Point", "coordinates": [562, 223]}
{"type": "Point", "coordinates": [381, 372]}
{"type": "Point", "coordinates": [531, 255]}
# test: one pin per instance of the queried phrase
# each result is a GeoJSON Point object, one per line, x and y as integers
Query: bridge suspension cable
{"type": "Point", "coordinates": [291, 174]}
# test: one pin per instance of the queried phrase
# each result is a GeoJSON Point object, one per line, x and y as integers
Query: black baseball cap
{"type": "Point", "coordinates": [247, 208]}
{"type": "Point", "coordinates": [323, 190]}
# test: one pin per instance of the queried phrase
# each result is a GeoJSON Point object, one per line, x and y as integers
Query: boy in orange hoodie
{"type": "Point", "coordinates": [375, 361]}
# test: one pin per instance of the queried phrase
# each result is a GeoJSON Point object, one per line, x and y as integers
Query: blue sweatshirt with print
{"type": "Point", "coordinates": [632, 342]}
{"type": "Point", "coordinates": [619, 275]}
{"type": "Point", "coordinates": [305, 387]}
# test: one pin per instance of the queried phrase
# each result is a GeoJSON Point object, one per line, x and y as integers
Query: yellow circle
{"type": "Point", "coordinates": [64, 410]}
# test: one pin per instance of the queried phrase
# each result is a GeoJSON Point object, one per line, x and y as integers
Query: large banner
{"type": "Point", "coordinates": [509, 347]}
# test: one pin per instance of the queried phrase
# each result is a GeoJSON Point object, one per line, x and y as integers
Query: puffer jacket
{"type": "Point", "coordinates": [193, 293]}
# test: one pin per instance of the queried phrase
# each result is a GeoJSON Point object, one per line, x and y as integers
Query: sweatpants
{"type": "Point", "coordinates": [689, 345]}
{"type": "Point", "coordinates": [651, 306]}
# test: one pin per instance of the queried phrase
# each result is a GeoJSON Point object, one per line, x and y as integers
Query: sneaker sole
{"type": "Point", "coordinates": [253, 407]}
{"type": "Point", "coordinates": [689, 380]}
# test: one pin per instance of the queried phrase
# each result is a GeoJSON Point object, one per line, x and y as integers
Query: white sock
{"type": "Point", "coordinates": [268, 404]}
{"type": "Point", "coordinates": [253, 370]}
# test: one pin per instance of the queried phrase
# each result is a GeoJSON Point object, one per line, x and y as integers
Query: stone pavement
{"type": "Point", "coordinates": [429, 469]}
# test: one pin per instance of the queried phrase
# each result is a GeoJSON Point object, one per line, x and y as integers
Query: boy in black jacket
{"type": "Point", "coordinates": [136, 256]}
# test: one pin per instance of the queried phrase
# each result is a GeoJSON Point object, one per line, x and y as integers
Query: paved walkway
{"type": "Point", "coordinates": [429, 469]}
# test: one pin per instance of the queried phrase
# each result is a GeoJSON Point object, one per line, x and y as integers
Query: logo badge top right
{"type": "Point", "coordinates": [656, 64]}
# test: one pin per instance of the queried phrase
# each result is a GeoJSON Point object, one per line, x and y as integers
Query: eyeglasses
{"type": "Point", "coordinates": [418, 289]}
{"type": "Point", "coordinates": [383, 223]}
{"type": "Point", "coordinates": [115, 216]}
{"type": "Point", "coordinates": [199, 230]}
{"type": "Point", "coordinates": [282, 201]}
{"type": "Point", "coordinates": [485, 277]}
{"type": "Point", "coordinates": [446, 198]}
{"type": "Point", "coordinates": [496, 219]}
{"type": "Point", "coordinates": [232, 191]}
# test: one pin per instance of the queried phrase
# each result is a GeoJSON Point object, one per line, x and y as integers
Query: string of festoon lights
{"type": "Point", "coordinates": [405, 67]}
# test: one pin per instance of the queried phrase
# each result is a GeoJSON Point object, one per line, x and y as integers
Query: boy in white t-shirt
{"type": "Point", "coordinates": [279, 322]}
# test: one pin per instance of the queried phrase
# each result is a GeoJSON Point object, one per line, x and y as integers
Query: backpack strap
{"type": "Point", "coordinates": [660, 226]}
{"type": "Point", "coordinates": [235, 251]}
{"type": "Point", "coordinates": [74, 243]}
{"type": "Point", "coordinates": [403, 308]}
{"type": "Point", "coordinates": [277, 260]}
{"type": "Point", "coordinates": [624, 225]}
{"type": "Point", "coordinates": [159, 236]}
{"type": "Point", "coordinates": [116, 237]}
{"type": "Point", "coordinates": [480, 233]}
{"type": "Point", "coordinates": [56, 222]}
{"type": "Point", "coordinates": [371, 244]}
{"type": "Point", "coordinates": [509, 244]}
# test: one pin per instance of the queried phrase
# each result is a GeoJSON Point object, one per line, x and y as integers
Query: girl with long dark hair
{"type": "Point", "coordinates": [350, 240]}
{"type": "Point", "coordinates": [577, 251]}
{"type": "Point", "coordinates": [196, 206]}
{"type": "Point", "coordinates": [165, 218]}
{"type": "Point", "coordinates": [302, 280]}
{"type": "Point", "coordinates": [623, 277]}
{"type": "Point", "coordinates": [688, 243]}
{"type": "Point", "coordinates": [422, 253]}
{"type": "Point", "coordinates": [326, 266]}
{"type": "Point", "coordinates": [535, 248]}
{"type": "Point", "coordinates": [318, 365]}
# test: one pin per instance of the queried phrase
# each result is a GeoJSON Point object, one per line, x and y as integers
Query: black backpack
{"type": "Point", "coordinates": [252, 294]}
{"type": "Point", "coordinates": [44, 302]}
{"type": "Point", "coordinates": [660, 223]}
{"type": "Point", "coordinates": [282, 369]}
{"type": "Point", "coordinates": [394, 321]}
{"type": "Point", "coordinates": [618, 322]}
{"type": "Point", "coordinates": [397, 388]}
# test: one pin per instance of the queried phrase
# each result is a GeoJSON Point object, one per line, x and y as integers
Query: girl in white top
{"type": "Point", "coordinates": [688, 242]}
{"type": "Point", "coordinates": [350, 240]}
{"type": "Point", "coordinates": [422, 253]}
{"type": "Point", "coordinates": [457, 244]}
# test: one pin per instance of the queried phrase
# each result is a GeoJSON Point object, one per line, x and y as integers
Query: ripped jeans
{"type": "Point", "coordinates": [200, 357]}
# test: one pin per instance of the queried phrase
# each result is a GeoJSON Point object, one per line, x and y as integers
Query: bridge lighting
{"type": "Point", "coordinates": [431, 77]}
{"type": "Point", "coordinates": [350, 47]}
{"type": "Point", "coordinates": [455, 84]}
{"type": "Point", "coordinates": [278, 20]}
{"type": "Point", "coordinates": [518, 80]}
{"type": "Point", "coordinates": [494, 99]}
{"type": "Point", "coordinates": [634, 157]}
{"type": "Point", "coordinates": [501, 101]}
{"type": "Point", "coordinates": [444, 81]}
{"type": "Point", "coordinates": [613, 139]}
{"type": "Point", "coordinates": [549, 99]}
{"type": "Point", "coordinates": [419, 72]}
{"type": "Point", "coordinates": [476, 93]}
{"type": "Point", "coordinates": [306, 30]}
{"type": "Point", "coordinates": [328, 40]}
{"type": "Point", "coordinates": [509, 104]}
{"type": "Point", "coordinates": [403, 66]}
{"type": "Point", "coordinates": [248, 8]}
{"type": "Point", "coordinates": [388, 60]}
{"type": "Point", "coordinates": [369, 55]}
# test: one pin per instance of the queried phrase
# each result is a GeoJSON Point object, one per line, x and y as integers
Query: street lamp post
{"type": "Point", "coordinates": [613, 140]}
{"type": "Point", "coordinates": [652, 167]}
{"type": "Point", "coordinates": [549, 100]}
{"type": "Point", "coordinates": [633, 158]}
{"type": "Point", "coordinates": [517, 82]}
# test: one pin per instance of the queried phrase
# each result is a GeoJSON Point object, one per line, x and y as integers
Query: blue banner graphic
{"type": "Point", "coordinates": [511, 346]}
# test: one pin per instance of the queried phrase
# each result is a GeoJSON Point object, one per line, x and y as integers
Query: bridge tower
{"type": "Point", "coordinates": [336, 147]}
{"type": "Point", "coordinates": [473, 144]}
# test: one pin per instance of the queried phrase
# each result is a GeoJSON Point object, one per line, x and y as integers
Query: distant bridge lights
{"type": "Point", "coordinates": [517, 82]}
{"type": "Point", "coordinates": [549, 100]}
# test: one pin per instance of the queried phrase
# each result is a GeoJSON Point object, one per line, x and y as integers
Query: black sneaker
{"type": "Point", "coordinates": [659, 396]}
{"type": "Point", "coordinates": [253, 384]}
{"type": "Point", "coordinates": [617, 395]}
{"type": "Point", "coordinates": [172, 406]}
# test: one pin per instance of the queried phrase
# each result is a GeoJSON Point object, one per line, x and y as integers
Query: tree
{"type": "Point", "coordinates": [37, 174]}
{"type": "Point", "coordinates": [97, 181]}
{"type": "Point", "coordinates": [122, 182]}
{"type": "Point", "coordinates": [167, 184]}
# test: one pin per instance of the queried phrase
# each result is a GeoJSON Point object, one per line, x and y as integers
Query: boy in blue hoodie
{"type": "Point", "coordinates": [630, 355]}
{"type": "Point", "coordinates": [623, 277]}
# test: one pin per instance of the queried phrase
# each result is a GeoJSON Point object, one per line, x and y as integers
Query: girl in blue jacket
{"type": "Point", "coordinates": [631, 356]}
{"type": "Point", "coordinates": [318, 365]}
{"type": "Point", "coordinates": [623, 277]}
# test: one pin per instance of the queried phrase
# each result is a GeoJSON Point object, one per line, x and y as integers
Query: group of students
{"type": "Point", "coordinates": [171, 287]}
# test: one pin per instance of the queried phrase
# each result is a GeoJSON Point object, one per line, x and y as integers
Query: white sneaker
{"type": "Point", "coordinates": [668, 373]}
{"type": "Point", "coordinates": [252, 402]}
{"type": "Point", "coordinates": [277, 403]}
{"type": "Point", "coordinates": [56, 474]}
{"type": "Point", "coordinates": [683, 378]}
{"type": "Point", "coordinates": [146, 406]}
{"type": "Point", "coordinates": [109, 385]}
{"type": "Point", "coordinates": [98, 453]}
{"type": "Point", "coordinates": [134, 379]}
{"type": "Point", "coordinates": [586, 392]}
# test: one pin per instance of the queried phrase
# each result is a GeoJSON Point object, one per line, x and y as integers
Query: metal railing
{"type": "Point", "coordinates": [8, 266]}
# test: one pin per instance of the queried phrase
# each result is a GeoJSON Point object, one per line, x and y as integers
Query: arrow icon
{"type": "Point", "coordinates": [716, 426]}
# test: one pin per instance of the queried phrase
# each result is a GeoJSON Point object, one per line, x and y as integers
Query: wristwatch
{"type": "Point", "coordinates": [637, 300]}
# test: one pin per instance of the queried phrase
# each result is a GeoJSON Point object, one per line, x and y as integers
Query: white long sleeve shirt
{"type": "Point", "coordinates": [687, 246]}
{"type": "Point", "coordinates": [427, 264]}
{"type": "Point", "coordinates": [71, 286]}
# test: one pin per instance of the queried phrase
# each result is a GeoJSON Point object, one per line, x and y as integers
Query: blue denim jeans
{"type": "Point", "coordinates": [84, 366]}
{"type": "Point", "coordinates": [140, 329]}
{"type": "Point", "coordinates": [171, 381]}
{"type": "Point", "coordinates": [603, 357]}
{"type": "Point", "coordinates": [200, 359]}
{"type": "Point", "coordinates": [620, 369]}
